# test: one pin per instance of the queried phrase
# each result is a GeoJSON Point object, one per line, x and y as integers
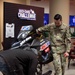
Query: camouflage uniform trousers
{"type": "Point", "coordinates": [59, 63]}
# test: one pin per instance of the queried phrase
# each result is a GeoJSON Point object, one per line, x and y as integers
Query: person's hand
{"type": "Point", "coordinates": [38, 31]}
{"type": "Point", "coordinates": [66, 54]}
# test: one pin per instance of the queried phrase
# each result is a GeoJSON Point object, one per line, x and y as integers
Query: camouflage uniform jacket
{"type": "Point", "coordinates": [60, 37]}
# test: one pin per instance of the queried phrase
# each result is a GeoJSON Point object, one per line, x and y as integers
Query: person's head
{"type": "Point", "coordinates": [58, 19]}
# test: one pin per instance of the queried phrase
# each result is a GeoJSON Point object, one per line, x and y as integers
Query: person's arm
{"type": "Point", "coordinates": [68, 42]}
{"type": "Point", "coordinates": [68, 39]}
{"type": "Point", "coordinates": [44, 28]}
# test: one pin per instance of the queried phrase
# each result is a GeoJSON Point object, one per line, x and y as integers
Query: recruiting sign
{"type": "Point", "coordinates": [27, 14]}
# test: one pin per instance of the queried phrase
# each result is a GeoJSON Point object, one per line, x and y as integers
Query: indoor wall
{"type": "Point", "coordinates": [42, 3]}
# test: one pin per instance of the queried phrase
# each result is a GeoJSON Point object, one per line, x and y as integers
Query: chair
{"type": "Point", "coordinates": [71, 56]}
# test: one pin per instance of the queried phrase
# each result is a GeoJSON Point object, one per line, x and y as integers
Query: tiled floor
{"type": "Point", "coordinates": [70, 71]}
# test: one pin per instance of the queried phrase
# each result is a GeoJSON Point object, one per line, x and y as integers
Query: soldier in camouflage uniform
{"type": "Point", "coordinates": [60, 40]}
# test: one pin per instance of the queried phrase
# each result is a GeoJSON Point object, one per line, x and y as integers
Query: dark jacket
{"type": "Point", "coordinates": [20, 62]}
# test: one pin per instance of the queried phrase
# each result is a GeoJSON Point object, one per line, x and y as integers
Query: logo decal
{"type": "Point", "coordinates": [27, 14]}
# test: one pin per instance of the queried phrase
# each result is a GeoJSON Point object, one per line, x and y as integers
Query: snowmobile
{"type": "Point", "coordinates": [39, 44]}
{"type": "Point", "coordinates": [28, 39]}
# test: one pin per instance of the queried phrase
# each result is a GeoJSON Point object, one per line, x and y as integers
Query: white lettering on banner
{"type": "Point", "coordinates": [27, 14]}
